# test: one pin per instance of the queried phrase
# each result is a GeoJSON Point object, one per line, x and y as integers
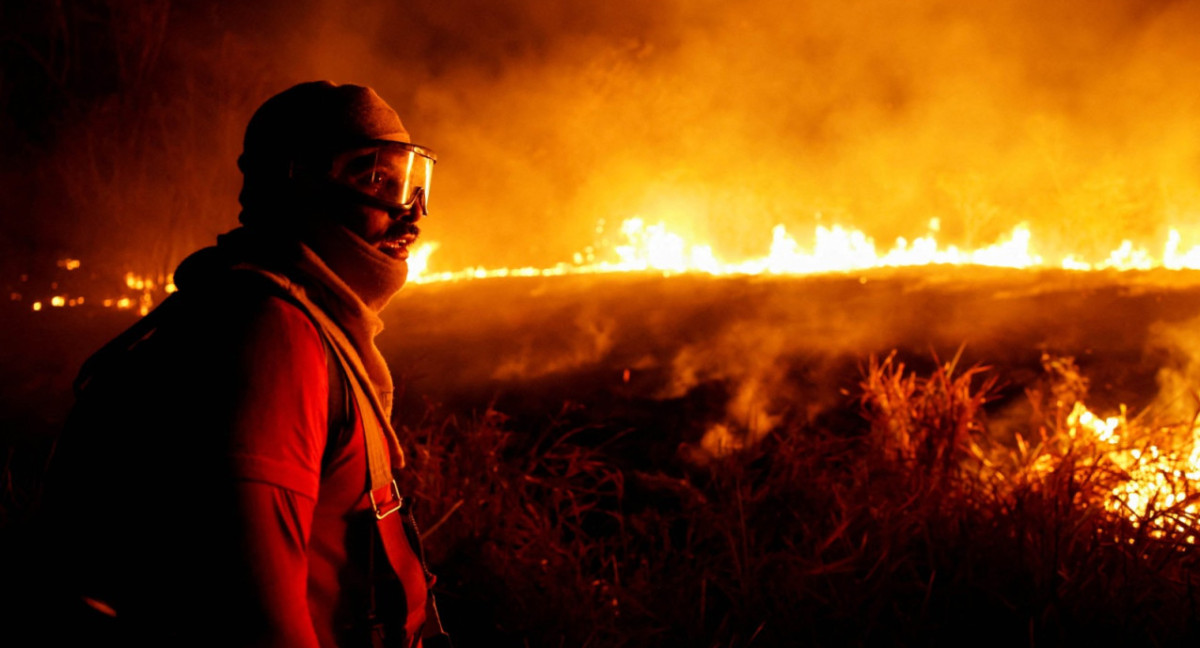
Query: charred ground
{"type": "Point", "coordinates": [531, 343]}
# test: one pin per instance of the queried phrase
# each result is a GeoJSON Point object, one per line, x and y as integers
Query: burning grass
{"type": "Point", "coordinates": [918, 525]}
{"type": "Point", "coordinates": [910, 501]}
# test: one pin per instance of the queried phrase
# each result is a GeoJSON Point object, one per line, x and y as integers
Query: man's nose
{"type": "Point", "coordinates": [410, 214]}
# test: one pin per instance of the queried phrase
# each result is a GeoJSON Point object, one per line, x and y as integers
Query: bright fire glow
{"type": "Point", "coordinates": [134, 282]}
{"type": "Point", "coordinates": [1104, 430]}
{"type": "Point", "coordinates": [655, 248]}
{"type": "Point", "coordinates": [1156, 485]}
{"type": "Point", "coordinates": [1159, 485]}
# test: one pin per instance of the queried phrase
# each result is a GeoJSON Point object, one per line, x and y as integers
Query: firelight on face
{"type": "Point", "coordinates": [391, 176]}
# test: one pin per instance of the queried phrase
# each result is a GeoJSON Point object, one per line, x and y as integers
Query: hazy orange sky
{"type": "Point", "coordinates": [721, 119]}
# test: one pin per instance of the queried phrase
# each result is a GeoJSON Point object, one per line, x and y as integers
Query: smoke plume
{"type": "Point", "coordinates": [720, 119]}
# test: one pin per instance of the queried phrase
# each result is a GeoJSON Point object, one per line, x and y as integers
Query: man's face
{"type": "Point", "coordinates": [393, 182]}
{"type": "Point", "coordinates": [390, 235]}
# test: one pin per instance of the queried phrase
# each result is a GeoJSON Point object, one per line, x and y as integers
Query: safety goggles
{"type": "Point", "coordinates": [396, 174]}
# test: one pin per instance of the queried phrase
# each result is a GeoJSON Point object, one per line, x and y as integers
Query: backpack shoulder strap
{"type": "Point", "coordinates": [383, 448]}
{"type": "Point", "coordinates": [119, 345]}
{"type": "Point", "coordinates": [401, 542]}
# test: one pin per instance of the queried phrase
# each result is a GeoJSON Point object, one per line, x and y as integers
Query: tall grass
{"type": "Point", "coordinates": [919, 526]}
{"type": "Point", "coordinates": [919, 520]}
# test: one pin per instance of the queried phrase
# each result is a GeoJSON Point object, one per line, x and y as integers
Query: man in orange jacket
{"type": "Point", "coordinates": [251, 501]}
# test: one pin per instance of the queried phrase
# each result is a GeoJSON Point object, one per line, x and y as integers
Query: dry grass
{"type": "Point", "coordinates": [912, 522]}
{"type": "Point", "coordinates": [918, 528]}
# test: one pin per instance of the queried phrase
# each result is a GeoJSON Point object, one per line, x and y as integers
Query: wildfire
{"type": "Point", "coordinates": [647, 247]}
{"type": "Point", "coordinates": [1155, 486]}
{"type": "Point", "coordinates": [1158, 485]}
{"type": "Point", "coordinates": [655, 248]}
{"type": "Point", "coordinates": [148, 288]}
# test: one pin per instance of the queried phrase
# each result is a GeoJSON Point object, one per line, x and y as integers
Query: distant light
{"type": "Point", "coordinates": [108, 303]}
{"type": "Point", "coordinates": [69, 264]}
{"type": "Point", "coordinates": [58, 301]}
{"type": "Point", "coordinates": [124, 302]}
{"type": "Point", "coordinates": [14, 296]}
{"type": "Point", "coordinates": [37, 305]}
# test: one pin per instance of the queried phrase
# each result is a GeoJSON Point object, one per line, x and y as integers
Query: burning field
{"type": "Point", "coordinates": [885, 455]}
{"type": "Point", "coordinates": [718, 459]}
{"type": "Point", "coordinates": [732, 324]}
{"type": "Point", "coordinates": [891, 455]}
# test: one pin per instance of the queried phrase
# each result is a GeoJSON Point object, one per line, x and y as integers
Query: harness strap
{"type": "Point", "coordinates": [383, 448]}
{"type": "Point", "coordinates": [383, 454]}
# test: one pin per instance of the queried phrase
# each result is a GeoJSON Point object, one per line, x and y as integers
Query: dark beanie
{"type": "Point", "coordinates": [306, 124]}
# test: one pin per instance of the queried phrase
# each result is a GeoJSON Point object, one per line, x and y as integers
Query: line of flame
{"type": "Point", "coordinates": [653, 247]}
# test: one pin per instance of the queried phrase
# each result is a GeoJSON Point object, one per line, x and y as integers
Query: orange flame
{"type": "Point", "coordinates": [1159, 484]}
{"type": "Point", "coordinates": [655, 248]}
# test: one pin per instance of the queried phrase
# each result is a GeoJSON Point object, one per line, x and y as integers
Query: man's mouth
{"type": "Point", "coordinates": [397, 246]}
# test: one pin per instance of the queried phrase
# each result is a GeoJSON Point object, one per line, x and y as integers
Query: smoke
{"type": "Point", "coordinates": [720, 119]}
{"type": "Point", "coordinates": [1178, 350]}
{"type": "Point", "coordinates": [752, 359]}
{"type": "Point", "coordinates": [559, 349]}
{"type": "Point", "coordinates": [725, 360]}
{"type": "Point", "coordinates": [723, 119]}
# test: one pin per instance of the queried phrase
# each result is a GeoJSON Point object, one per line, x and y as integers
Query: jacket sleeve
{"type": "Point", "coordinates": [278, 431]}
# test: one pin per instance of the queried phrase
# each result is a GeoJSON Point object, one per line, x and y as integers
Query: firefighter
{"type": "Point", "coordinates": [225, 477]}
